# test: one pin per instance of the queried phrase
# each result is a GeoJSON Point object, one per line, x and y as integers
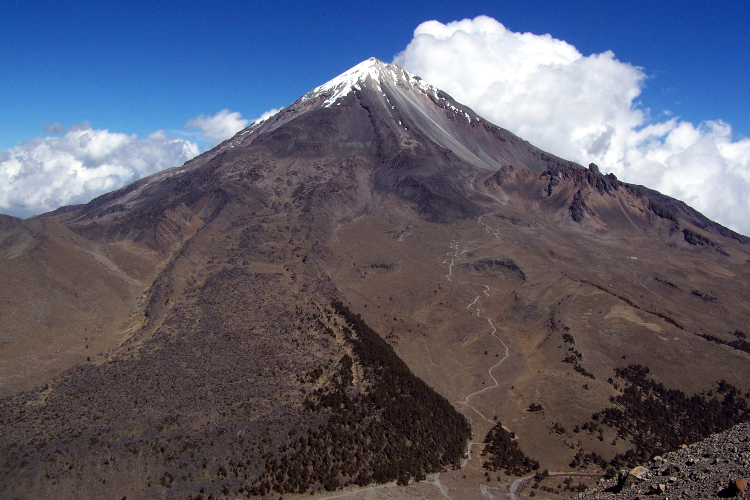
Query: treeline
{"type": "Point", "coordinates": [574, 357]}
{"type": "Point", "coordinates": [657, 419]}
{"type": "Point", "coordinates": [397, 428]}
{"type": "Point", "coordinates": [740, 344]}
{"type": "Point", "coordinates": [632, 304]}
{"type": "Point", "coordinates": [504, 453]}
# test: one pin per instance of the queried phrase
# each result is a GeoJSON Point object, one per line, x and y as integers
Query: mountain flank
{"type": "Point", "coordinates": [373, 287]}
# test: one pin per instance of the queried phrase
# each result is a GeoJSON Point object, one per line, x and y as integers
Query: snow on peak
{"type": "Point", "coordinates": [352, 79]}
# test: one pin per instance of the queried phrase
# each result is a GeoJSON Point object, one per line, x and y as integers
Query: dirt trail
{"type": "Point", "coordinates": [359, 490]}
{"type": "Point", "coordinates": [455, 254]}
{"type": "Point", "coordinates": [517, 484]}
{"type": "Point", "coordinates": [434, 479]}
{"type": "Point", "coordinates": [506, 354]}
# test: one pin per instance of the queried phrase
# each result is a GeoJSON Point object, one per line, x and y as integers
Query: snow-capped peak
{"type": "Point", "coordinates": [352, 79]}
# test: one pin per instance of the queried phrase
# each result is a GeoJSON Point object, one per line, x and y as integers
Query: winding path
{"type": "Point", "coordinates": [506, 354]}
{"type": "Point", "coordinates": [455, 254]}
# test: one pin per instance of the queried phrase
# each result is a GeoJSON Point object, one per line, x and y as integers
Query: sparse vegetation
{"type": "Point", "coordinates": [740, 344]}
{"type": "Point", "coordinates": [573, 356]}
{"type": "Point", "coordinates": [558, 429]}
{"type": "Point", "coordinates": [632, 304]}
{"type": "Point", "coordinates": [656, 419]}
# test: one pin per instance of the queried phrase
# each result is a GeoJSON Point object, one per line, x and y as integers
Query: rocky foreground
{"type": "Point", "coordinates": [717, 467]}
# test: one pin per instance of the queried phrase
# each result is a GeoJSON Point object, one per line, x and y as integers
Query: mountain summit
{"type": "Point", "coordinates": [406, 138]}
{"type": "Point", "coordinates": [358, 290]}
{"type": "Point", "coordinates": [404, 109]}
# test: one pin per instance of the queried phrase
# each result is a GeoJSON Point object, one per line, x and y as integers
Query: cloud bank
{"type": "Point", "coordinates": [48, 172]}
{"type": "Point", "coordinates": [45, 173]}
{"type": "Point", "coordinates": [584, 108]}
{"type": "Point", "coordinates": [220, 127]}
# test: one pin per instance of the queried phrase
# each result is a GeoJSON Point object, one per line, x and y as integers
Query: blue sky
{"type": "Point", "coordinates": [141, 67]}
{"type": "Point", "coordinates": [136, 67]}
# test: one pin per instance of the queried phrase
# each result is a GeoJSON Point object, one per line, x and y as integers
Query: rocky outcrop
{"type": "Point", "coordinates": [501, 175]}
{"type": "Point", "coordinates": [581, 177]}
{"type": "Point", "coordinates": [577, 207]}
{"type": "Point", "coordinates": [497, 267]}
{"type": "Point", "coordinates": [696, 239]}
{"type": "Point", "coordinates": [671, 209]}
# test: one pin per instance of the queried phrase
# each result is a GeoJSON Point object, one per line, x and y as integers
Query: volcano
{"type": "Point", "coordinates": [369, 286]}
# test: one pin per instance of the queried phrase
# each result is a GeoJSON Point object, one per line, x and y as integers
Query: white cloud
{"type": "Point", "coordinates": [220, 127]}
{"type": "Point", "coordinates": [45, 173]}
{"type": "Point", "coordinates": [265, 116]}
{"type": "Point", "coordinates": [584, 108]}
{"type": "Point", "coordinates": [48, 172]}
{"type": "Point", "coordinates": [54, 128]}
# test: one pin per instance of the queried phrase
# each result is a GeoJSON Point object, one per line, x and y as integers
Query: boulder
{"type": "Point", "coordinates": [639, 472]}
{"type": "Point", "coordinates": [736, 487]}
{"type": "Point", "coordinates": [740, 484]}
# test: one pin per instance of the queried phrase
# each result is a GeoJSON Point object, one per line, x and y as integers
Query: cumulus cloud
{"type": "Point", "coordinates": [265, 116]}
{"type": "Point", "coordinates": [47, 172]}
{"type": "Point", "coordinates": [54, 128]}
{"type": "Point", "coordinates": [219, 127]}
{"type": "Point", "coordinates": [584, 108]}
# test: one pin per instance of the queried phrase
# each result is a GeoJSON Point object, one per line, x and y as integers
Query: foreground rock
{"type": "Point", "coordinates": [714, 468]}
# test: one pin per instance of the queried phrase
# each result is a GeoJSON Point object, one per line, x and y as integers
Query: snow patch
{"type": "Point", "coordinates": [374, 69]}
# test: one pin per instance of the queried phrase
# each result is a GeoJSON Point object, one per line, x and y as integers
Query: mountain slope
{"type": "Point", "coordinates": [505, 278]}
